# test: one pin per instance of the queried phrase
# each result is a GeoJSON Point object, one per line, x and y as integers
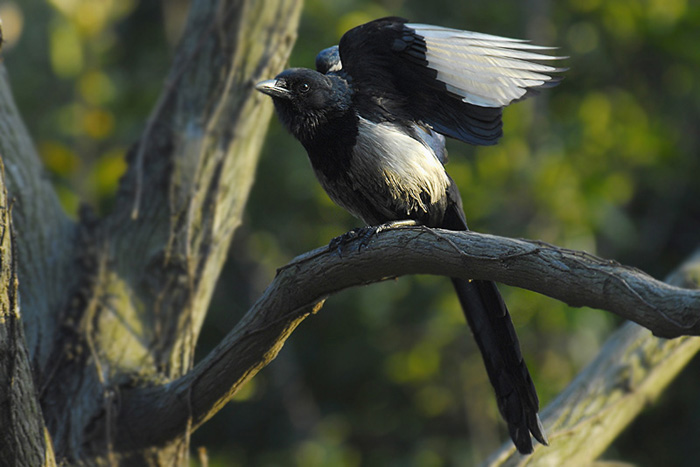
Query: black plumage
{"type": "Point", "coordinates": [373, 118]}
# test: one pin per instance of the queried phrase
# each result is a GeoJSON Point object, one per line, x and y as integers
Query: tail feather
{"type": "Point", "coordinates": [495, 335]}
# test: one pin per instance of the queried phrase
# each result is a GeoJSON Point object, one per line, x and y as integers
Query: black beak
{"type": "Point", "coordinates": [271, 88]}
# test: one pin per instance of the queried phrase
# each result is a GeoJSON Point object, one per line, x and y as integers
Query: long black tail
{"type": "Point", "coordinates": [494, 333]}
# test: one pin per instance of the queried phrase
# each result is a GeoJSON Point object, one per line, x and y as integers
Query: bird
{"type": "Point", "coordinates": [374, 116]}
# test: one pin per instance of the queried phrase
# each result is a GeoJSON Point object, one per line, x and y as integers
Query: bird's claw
{"type": "Point", "coordinates": [365, 234]}
{"type": "Point", "coordinates": [362, 233]}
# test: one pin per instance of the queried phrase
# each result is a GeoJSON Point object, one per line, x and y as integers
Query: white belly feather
{"type": "Point", "coordinates": [405, 168]}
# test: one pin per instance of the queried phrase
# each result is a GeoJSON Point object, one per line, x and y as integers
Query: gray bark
{"type": "Point", "coordinates": [23, 439]}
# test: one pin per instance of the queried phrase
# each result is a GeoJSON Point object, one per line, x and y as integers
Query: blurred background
{"type": "Point", "coordinates": [388, 375]}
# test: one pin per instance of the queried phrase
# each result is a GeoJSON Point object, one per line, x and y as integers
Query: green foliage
{"type": "Point", "coordinates": [388, 375]}
{"type": "Point", "coordinates": [85, 76]}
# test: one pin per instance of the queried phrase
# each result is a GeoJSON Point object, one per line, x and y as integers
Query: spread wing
{"type": "Point", "coordinates": [456, 81]}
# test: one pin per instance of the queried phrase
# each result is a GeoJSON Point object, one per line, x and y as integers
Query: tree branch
{"type": "Point", "coordinates": [631, 370]}
{"type": "Point", "coordinates": [574, 277]}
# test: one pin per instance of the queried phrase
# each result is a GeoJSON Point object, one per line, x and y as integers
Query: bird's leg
{"type": "Point", "coordinates": [366, 233]}
{"type": "Point", "coordinates": [394, 225]}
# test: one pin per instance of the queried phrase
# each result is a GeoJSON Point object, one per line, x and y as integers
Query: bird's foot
{"type": "Point", "coordinates": [340, 242]}
{"type": "Point", "coordinates": [365, 234]}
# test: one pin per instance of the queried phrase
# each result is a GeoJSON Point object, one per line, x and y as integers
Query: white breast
{"type": "Point", "coordinates": [387, 160]}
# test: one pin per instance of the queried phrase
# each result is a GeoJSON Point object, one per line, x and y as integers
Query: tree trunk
{"type": "Point", "coordinates": [119, 301]}
{"type": "Point", "coordinates": [23, 437]}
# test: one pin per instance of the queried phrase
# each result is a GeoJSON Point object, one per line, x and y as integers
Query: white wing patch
{"type": "Point", "coordinates": [484, 70]}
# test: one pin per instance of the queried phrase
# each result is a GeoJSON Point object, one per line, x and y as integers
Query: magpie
{"type": "Point", "coordinates": [373, 118]}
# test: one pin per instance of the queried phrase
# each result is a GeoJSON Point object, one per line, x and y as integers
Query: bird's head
{"type": "Point", "coordinates": [305, 99]}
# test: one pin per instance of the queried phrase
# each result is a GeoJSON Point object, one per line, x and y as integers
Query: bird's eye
{"type": "Point", "coordinates": [304, 87]}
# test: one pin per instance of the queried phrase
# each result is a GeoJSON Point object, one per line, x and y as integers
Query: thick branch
{"type": "Point", "coordinates": [574, 277]}
{"type": "Point", "coordinates": [45, 235]}
{"type": "Point", "coordinates": [189, 177]}
{"type": "Point", "coordinates": [23, 437]}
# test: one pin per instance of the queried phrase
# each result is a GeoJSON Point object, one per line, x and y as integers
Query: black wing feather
{"type": "Point", "coordinates": [455, 81]}
{"type": "Point", "coordinates": [386, 62]}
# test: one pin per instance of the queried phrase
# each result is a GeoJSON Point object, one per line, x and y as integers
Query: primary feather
{"type": "Point", "coordinates": [485, 70]}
